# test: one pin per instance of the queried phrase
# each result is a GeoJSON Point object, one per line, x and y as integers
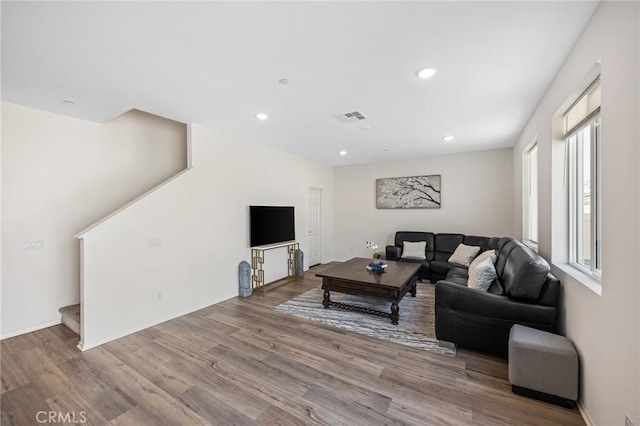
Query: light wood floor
{"type": "Point", "coordinates": [241, 363]}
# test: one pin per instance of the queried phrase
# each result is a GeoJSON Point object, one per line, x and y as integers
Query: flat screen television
{"type": "Point", "coordinates": [271, 225]}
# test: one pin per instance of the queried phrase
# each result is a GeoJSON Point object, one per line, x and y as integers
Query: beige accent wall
{"type": "Point", "coordinates": [59, 175]}
{"type": "Point", "coordinates": [601, 319]}
{"type": "Point", "coordinates": [477, 194]}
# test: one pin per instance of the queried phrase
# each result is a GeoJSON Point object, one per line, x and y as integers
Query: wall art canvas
{"type": "Point", "coordinates": [414, 192]}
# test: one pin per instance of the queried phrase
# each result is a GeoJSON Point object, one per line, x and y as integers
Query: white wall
{"type": "Point", "coordinates": [605, 328]}
{"type": "Point", "coordinates": [201, 217]}
{"type": "Point", "coordinates": [59, 175]}
{"type": "Point", "coordinates": [476, 200]}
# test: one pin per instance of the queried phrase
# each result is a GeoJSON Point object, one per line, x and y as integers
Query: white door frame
{"type": "Point", "coordinates": [316, 258]}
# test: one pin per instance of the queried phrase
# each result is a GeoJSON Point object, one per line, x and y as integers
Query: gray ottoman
{"type": "Point", "coordinates": [543, 366]}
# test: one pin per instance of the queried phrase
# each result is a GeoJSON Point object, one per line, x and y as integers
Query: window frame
{"type": "Point", "coordinates": [529, 182]}
{"type": "Point", "coordinates": [575, 196]}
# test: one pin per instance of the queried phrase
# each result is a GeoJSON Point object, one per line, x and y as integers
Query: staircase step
{"type": "Point", "coordinates": [71, 317]}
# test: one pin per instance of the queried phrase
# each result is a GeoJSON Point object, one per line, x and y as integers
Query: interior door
{"type": "Point", "coordinates": [314, 227]}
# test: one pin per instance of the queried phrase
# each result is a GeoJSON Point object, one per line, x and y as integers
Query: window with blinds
{"type": "Point", "coordinates": [584, 138]}
{"type": "Point", "coordinates": [584, 109]}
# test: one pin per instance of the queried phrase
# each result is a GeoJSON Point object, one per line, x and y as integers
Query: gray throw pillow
{"type": "Point", "coordinates": [489, 254]}
{"type": "Point", "coordinates": [411, 250]}
{"type": "Point", "coordinates": [464, 254]}
{"type": "Point", "coordinates": [481, 277]}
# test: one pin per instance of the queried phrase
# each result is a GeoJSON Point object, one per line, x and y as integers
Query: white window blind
{"type": "Point", "coordinates": [587, 105]}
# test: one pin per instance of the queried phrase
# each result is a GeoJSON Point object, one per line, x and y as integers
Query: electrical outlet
{"type": "Point", "coordinates": [627, 421]}
{"type": "Point", "coordinates": [159, 295]}
{"type": "Point", "coordinates": [155, 242]}
{"type": "Point", "coordinates": [33, 244]}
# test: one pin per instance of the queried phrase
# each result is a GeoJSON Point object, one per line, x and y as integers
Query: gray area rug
{"type": "Point", "coordinates": [415, 327]}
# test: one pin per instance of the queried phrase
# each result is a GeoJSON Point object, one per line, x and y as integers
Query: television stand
{"type": "Point", "coordinates": [257, 262]}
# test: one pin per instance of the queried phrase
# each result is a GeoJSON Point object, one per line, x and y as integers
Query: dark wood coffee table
{"type": "Point", "coordinates": [352, 277]}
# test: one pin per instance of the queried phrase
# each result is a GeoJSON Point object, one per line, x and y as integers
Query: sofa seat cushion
{"type": "Point", "coordinates": [440, 268]}
{"type": "Point", "coordinates": [457, 280]}
{"type": "Point", "coordinates": [458, 271]}
{"type": "Point", "coordinates": [423, 272]}
{"type": "Point", "coordinates": [423, 262]}
{"type": "Point", "coordinates": [496, 288]}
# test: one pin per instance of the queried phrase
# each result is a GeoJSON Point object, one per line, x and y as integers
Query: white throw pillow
{"type": "Point", "coordinates": [464, 254]}
{"type": "Point", "coordinates": [489, 254]}
{"type": "Point", "coordinates": [413, 250]}
{"type": "Point", "coordinates": [481, 277]}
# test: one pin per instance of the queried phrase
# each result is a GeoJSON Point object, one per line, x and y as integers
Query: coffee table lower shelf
{"type": "Point", "coordinates": [394, 315]}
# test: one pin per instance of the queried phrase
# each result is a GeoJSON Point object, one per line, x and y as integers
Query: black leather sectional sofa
{"type": "Point", "coordinates": [438, 250]}
{"type": "Point", "coordinates": [524, 291]}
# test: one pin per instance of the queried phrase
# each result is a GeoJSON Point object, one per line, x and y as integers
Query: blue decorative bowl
{"type": "Point", "coordinates": [376, 267]}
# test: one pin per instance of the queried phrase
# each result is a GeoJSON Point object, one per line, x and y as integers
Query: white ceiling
{"type": "Point", "coordinates": [218, 64]}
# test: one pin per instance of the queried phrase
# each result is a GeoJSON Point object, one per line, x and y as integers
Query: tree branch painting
{"type": "Point", "coordinates": [414, 192]}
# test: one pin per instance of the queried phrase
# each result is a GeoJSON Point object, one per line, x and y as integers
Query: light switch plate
{"type": "Point", "coordinates": [33, 244]}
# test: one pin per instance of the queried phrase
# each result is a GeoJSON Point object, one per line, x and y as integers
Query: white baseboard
{"type": "Point", "coordinates": [30, 329]}
{"type": "Point", "coordinates": [585, 416]}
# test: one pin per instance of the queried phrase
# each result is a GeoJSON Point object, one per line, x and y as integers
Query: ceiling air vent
{"type": "Point", "coordinates": [350, 117]}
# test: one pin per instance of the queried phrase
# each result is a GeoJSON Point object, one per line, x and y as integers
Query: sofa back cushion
{"type": "Point", "coordinates": [504, 248]}
{"type": "Point", "coordinates": [474, 240]}
{"type": "Point", "coordinates": [428, 237]}
{"type": "Point", "coordinates": [445, 245]}
{"type": "Point", "coordinates": [492, 243]}
{"type": "Point", "coordinates": [502, 242]}
{"type": "Point", "coordinates": [524, 275]}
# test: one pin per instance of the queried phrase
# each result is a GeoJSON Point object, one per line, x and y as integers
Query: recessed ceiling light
{"type": "Point", "coordinates": [261, 116]}
{"type": "Point", "coordinates": [447, 138]}
{"type": "Point", "coordinates": [427, 72]}
{"type": "Point", "coordinates": [343, 153]}
{"type": "Point", "coordinates": [283, 81]}
{"type": "Point", "coordinates": [67, 102]}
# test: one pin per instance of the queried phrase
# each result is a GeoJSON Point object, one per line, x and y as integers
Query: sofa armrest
{"type": "Point", "coordinates": [455, 297]}
{"type": "Point", "coordinates": [393, 252]}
